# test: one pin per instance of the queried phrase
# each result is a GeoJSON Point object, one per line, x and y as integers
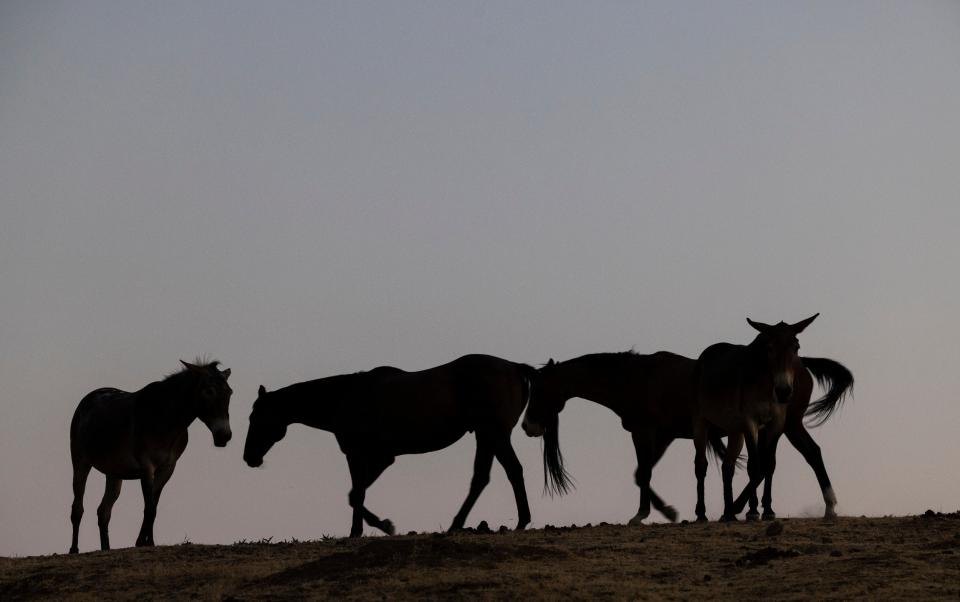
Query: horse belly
{"type": "Point", "coordinates": [409, 432]}
{"type": "Point", "coordinates": [426, 445]}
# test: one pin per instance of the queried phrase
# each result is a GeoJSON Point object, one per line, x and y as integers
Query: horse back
{"type": "Point", "coordinates": [438, 405]}
{"type": "Point", "coordinates": [667, 387]}
{"type": "Point", "coordinates": [103, 426]}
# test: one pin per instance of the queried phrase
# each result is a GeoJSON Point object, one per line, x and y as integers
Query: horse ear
{"type": "Point", "coordinates": [758, 326]}
{"type": "Point", "coordinates": [226, 374]}
{"type": "Point", "coordinates": [551, 362]}
{"type": "Point", "coordinates": [799, 326]}
{"type": "Point", "coordinates": [188, 366]}
{"type": "Point", "coordinates": [261, 391]}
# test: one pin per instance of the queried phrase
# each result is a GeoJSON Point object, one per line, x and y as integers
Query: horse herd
{"type": "Point", "coordinates": [750, 394]}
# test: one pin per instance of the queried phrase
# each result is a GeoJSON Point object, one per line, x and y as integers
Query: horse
{"type": "Point", "coordinates": [747, 390]}
{"type": "Point", "coordinates": [834, 378]}
{"type": "Point", "coordinates": [386, 412]}
{"type": "Point", "coordinates": [653, 395]}
{"type": "Point", "coordinates": [140, 436]}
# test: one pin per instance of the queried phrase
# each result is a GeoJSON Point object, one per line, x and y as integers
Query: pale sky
{"type": "Point", "coordinates": [302, 189]}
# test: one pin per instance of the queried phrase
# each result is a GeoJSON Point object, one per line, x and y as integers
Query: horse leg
{"type": "Point", "coordinates": [160, 478]}
{"type": "Point", "coordinates": [643, 444]}
{"type": "Point", "coordinates": [754, 471]}
{"type": "Point", "coordinates": [363, 472]}
{"type": "Point", "coordinates": [507, 458]}
{"type": "Point", "coordinates": [81, 470]}
{"type": "Point", "coordinates": [757, 459]}
{"type": "Point", "coordinates": [700, 467]}
{"type": "Point", "coordinates": [145, 538]}
{"type": "Point", "coordinates": [768, 513]}
{"type": "Point", "coordinates": [663, 442]}
{"type": "Point", "coordinates": [374, 470]}
{"type": "Point", "coordinates": [805, 444]}
{"type": "Point", "coordinates": [110, 494]}
{"type": "Point", "coordinates": [482, 462]}
{"type": "Point", "coordinates": [728, 468]}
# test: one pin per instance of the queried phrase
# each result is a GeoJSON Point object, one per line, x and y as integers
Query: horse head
{"type": "Point", "coordinates": [213, 399]}
{"type": "Point", "coordinates": [547, 399]}
{"type": "Point", "coordinates": [266, 428]}
{"type": "Point", "coordinates": [779, 349]}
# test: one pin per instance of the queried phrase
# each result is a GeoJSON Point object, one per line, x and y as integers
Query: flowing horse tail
{"type": "Point", "coordinates": [718, 449]}
{"type": "Point", "coordinates": [556, 479]}
{"type": "Point", "coordinates": [833, 377]}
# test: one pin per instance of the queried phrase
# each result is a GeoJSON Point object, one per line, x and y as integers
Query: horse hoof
{"type": "Point", "coordinates": [388, 527]}
{"type": "Point", "coordinates": [770, 515]}
{"type": "Point", "coordinates": [729, 518]}
{"type": "Point", "coordinates": [636, 521]}
{"type": "Point", "coordinates": [830, 514]}
{"type": "Point", "coordinates": [670, 513]}
{"type": "Point", "coordinates": [752, 517]}
{"type": "Point", "coordinates": [702, 519]}
{"type": "Point", "coordinates": [73, 550]}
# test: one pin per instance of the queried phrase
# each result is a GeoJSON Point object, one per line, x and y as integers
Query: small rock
{"type": "Point", "coordinates": [707, 577]}
{"type": "Point", "coordinates": [836, 553]}
{"type": "Point", "coordinates": [411, 532]}
{"type": "Point", "coordinates": [503, 529]}
{"type": "Point", "coordinates": [775, 528]}
{"type": "Point", "coordinates": [483, 527]}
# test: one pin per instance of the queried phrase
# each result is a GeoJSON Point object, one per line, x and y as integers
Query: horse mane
{"type": "Point", "coordinates": [336, 384]}
{"type": "Point", "coordinates": [596, 357]}
{"type": "Point", "coordinates": [201, 361]}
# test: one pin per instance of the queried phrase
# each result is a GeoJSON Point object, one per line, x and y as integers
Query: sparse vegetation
{"type": "Point", "coordinates": [906, 557]}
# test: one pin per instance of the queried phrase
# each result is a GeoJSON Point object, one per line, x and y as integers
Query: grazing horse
{"type": "Point", "coordinates": [743, 389]}
{"type": "Point", "coordinates": [386, 412]}
{"type": "Point", "coordinates": [141, 436]}
{"type": "Point", "coordinates": [653, 395]}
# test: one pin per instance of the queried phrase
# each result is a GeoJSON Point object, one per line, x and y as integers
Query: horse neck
{"type": "Point", "coordinates": [587, 377]}
{"type": "Point", "coordinates": [317, 404]}
{"type": "Point", "coordinates": [753, 368]}
{"type": "Point", "coordinates": [169, 405]}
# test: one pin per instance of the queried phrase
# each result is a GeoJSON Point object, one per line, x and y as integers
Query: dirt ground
{"type": "Point", "coordinates": [915, 557]}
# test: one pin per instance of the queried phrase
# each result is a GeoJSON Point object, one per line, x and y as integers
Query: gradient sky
{"type": "Point", "coordinates": [303, 189]}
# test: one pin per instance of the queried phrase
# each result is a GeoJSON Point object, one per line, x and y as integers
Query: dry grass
{"type": "Point", "coordinates": [906, 557]}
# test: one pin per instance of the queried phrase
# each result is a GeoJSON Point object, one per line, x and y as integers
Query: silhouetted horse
{"type": "Point", "coordinates": [141, 436]}
{"type": "Point", "coordinates": [652, 394]}
{"type": "Point", "coordinates": [387, 412]}
{"type": "Point", "coordinates": [748, 391]}
{"type": "Point", "coordinates": [837, 381]}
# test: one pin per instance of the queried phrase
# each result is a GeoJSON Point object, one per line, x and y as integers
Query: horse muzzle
{"type": "Point", "coordinates": [221, 438]}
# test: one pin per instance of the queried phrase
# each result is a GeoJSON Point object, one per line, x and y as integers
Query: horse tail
{"type": "Point", "coordinates": [833, 377]}
{"type": "Point", "coordinates": [718, 449]}
{"type": "Point", "coordinates": [556, 479]}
